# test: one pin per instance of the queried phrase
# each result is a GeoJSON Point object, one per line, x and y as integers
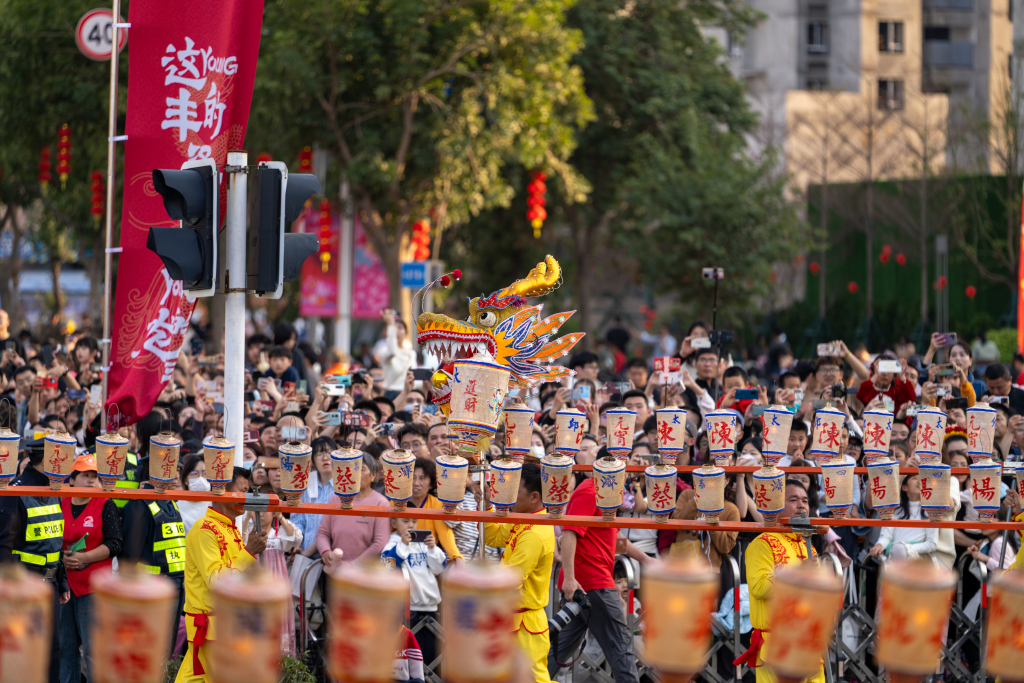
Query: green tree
{"type": "Point", "coordinates": [422, 103]}
{"type": "Point", "coordinates": [46, 82]}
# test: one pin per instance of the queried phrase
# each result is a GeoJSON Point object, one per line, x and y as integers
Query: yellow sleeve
{"type": "Point", "coordinates": [526, 554]}
{"type": "Point", "coordinates": [209, 559]}
{"type": "Point", "coordinates": [444, 535]}
{"type": "Point", "coordinates": [967, 391]}
{"type": "Point", "coordinates": [496, 535]}
{"type": "Point", "coordinates": [760, 569]}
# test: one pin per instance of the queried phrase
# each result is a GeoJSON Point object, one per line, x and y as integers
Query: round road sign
{"type": "Point", "coordinates": [94, 34]}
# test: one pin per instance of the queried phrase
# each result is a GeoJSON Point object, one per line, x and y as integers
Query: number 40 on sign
{"type": "Point", "coordinates": [95, 33]}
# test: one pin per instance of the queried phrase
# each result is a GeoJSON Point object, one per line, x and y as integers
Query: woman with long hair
{"type": "Point", "coordinates": [906, 542]}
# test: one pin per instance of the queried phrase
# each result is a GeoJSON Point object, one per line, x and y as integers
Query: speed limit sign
{"type": "Point", "coordinates": [95, 32]}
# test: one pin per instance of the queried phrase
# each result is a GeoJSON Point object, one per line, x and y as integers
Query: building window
{"type": "Point", "coordinates": [817, 83]}
{"type": "Point", "coordinates": [890, 95]}
{"type": "Point", "coordinates": [890, 36]}
{"type": "Point", "coordinates": [936, 33]}
{"type": "Point", "coordinates": [817, 37]}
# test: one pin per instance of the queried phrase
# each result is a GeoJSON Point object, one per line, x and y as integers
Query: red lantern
{"type": "Point", "coordinates": [325, 234]}
{"type": "Point", "coordinates": [901, 260]}
{"type": "Point", "coordinates": [97, 196]}
{"type": "Point", "coordinates": [814, 267]}
{"type": "Point", "coordinates": [884, 257]}
{"type": "Point", "coordinates": [536, 202]}
{"type": "Point", "coordinates": [971, 291]}
{"type": "Point", "coordinates": [886, 249]}
{"type": "Point", "coordinates": [940, 283]}
{"type": "Point", "coordinates": [44, 169]}
{"type": "Point", "coordinates": [852, 287]}
{"type": "Point", "coordinates": [264, 157]}
{"type": "Point", "coordinates": [64, 154]}
{"type": "Point", "coordinates": [306, 160]}
{"type": "Point", "coordinates": [421, 238]}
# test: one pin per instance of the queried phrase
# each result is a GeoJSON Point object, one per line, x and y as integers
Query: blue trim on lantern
{"type": "Point", "coordinates": [162, 480]}
{"type": "Point", "coordinates": [703, 512]}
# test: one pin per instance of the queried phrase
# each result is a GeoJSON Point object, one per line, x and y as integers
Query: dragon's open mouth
{"type": "Point", "coordinates": [451, 339]}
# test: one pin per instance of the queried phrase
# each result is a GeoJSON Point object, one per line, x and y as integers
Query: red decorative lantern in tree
{"type": "Point", "coordinates": [886, 249]}
{"type": "Point", "coordinates": [901, 260]}
{"type": "Point", "coordinates": [44, 169]}
{"type": "Point", "coordinates": [814, 267]}
{"type": "Point", "coordinates": [971, 292]}
{"type": "Point", "coordinates": [64, 155]}
{"type": "Point", "coordinates": [306, 160]}
{"type": "Point", "coordinates": [97, 197]}
{"type": "Point", "coordinates": [421, 240]}
{"type": "Point", "coordinates": [536, 213]}
{"type": "Point", "coordinates": [940, 283]}
{"type": "Point", "coordinates": [852, 287]}
{"type": "Point", "coordinates": [799, 259]}
{"type": "Point", "coordinates": [884, 257]}
{"type": "Point", "coordinates": [325, 234]}
{"type": "Point", "coordinates": [264, 157]}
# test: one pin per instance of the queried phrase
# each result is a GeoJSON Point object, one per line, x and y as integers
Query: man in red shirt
{"type": "Point", "coordinates": [588, 559]}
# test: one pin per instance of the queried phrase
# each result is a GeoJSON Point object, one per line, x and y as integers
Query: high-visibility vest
{"type": "Point", "coordinates": [44, 531]}
{"type": "Point", "coordinates": [131, 478]}
{"type": "Point", "coordinates": [166, 555]}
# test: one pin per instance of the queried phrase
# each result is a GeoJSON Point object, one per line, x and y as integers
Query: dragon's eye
{"type": "Point", "coordinates": [487, 318]}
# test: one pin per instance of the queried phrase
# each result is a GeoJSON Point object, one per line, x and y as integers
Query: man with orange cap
{"type": "Point", "coordinates": [213, 545]}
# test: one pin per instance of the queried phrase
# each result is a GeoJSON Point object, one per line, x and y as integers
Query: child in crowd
{"type": "Point", "coordinates": [408, 666]}
{"type": "Point", "coordinates": [424, 561]}
{"type": "Point", "coordinates": [281, 366]}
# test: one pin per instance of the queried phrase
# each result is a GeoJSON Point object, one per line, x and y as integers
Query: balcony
{"type": "Point", "coordinates": [944, 54]}
{"type": "Point", "coordinates": [960, 5]}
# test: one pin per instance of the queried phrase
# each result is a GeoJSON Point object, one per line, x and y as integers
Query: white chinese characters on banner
{"type": "Point", "coordinates": [165, 331]}
{"type": "Point", "coordinates": [193, 74]}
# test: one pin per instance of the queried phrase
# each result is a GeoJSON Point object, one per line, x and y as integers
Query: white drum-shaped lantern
{"type": "Point", "coordinates": [518, 430]}
{"type": "Point", "coordinates": [131, 614]}
{"type": "Point", "coordinates": [770, 493]}
{"type": "Point", "coordinates": [479, 601]}
{"type": "Point", "coordinates": [26, 614]}
{"type": "Point", "coordinates": [985, 488]}
{"type": "Point", "coordinates": [250, 608]}
{"type": "Point", "coordinates": [504, 486]}
{"type": "Point", "coordinates": [111, 454]}
{"type": "Point", "coordinates": [347, 470]}
{"type": "Point", "coordinates": [164, 451]}
{"type": "Point", "coordinates": [884, 485]}
{"type": "Point", "coordinates": [839, 479]}
{"type": "Point", "coordinates": [620, 424]}
{"type": "Point", "coordinates": [398, 466]}
{"type": "Point", "coordinates": [934, 490]}
{"type": "Point", "coordinates": [609, 479]}
{"type": "Point", "coordinates": [555, 471]}
{"type": "Point", "coordinates": [295, 463]}
{"type": "Point", "coordinates": [1004, 656]}
{"type": "Point", "coordinates": [828, 434]}
{"type": "Point", "coordinates": [709, 492]}
{"type": "Point", "coordinates": [58, 458]}
{"type": "Point", "coordinates": [931, 428]}
{"type": "Point", "coordinates": [877, 433]}
{"type": "Point", "coordinates": [981, 431]}
{"type": "Point", "coordinates": [452, 471]}
{"type": "Point", "coordinates": [915, 598]}
{"type": "Point", "coordinates": [678, 632]}
{"type": "Point", "coordinates": [479, 387]}
{"type": "Point", "coordinates": [804, 608]}
{"type": "Point", "coordinates": [671, 430]}
{"type": "Point", "coordinates": [9, 442]}
{"type": "Point", "coordinates": [661, 491]}
{"type": "Point", "coordinates": [570, 426]}
{"type": "Point", "coordinates": [219, 457]}
{"type": "Point", "coordinates": [366, 603]}
{"type": "Point", "coordinates": [721, 429]}
{"type": "Point", "coordinates": [775, 435]}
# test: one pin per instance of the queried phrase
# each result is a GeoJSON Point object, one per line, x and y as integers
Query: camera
{"type": "Point", "coordinates": [838, 391]}
{"type": "Point", "coordinates": [721, 337]}
{"type": "Point", "coordinates": [569, 611]}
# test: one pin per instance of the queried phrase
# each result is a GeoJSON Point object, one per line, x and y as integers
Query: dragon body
{"type": "Point", "coordinates": [506, 327]}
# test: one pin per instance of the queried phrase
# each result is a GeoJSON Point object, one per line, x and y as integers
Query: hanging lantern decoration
{"type": "Point", "coordinates": [325, 234]}
{"type": "Point", "coordinates": [97, 197]}
{"type": "Point", "coordinates": [814, 267]}
{"type": "Point", "coordinates": [940, 284]}
{"type": "Point", "coordinates": [901, 260]}
{"type": "Point", "coordinates": [306, 160]}
{"type": "Point", "coordinates": [971, 292]}
{"type": "Point", "coordinates": [421, 240]}
{"type": "Point", "coordinates": [883, 257]}
{"type": "Point", "coordinates": [264, 157]}
{"type": "Point", "coordinates": [44, 169]}
{"type": "Point", "coordinates": [64, 155]}
{"type": "Point", "coordinates": [537, 213]}
{"type": "Point", "coordinates": [852, 287]}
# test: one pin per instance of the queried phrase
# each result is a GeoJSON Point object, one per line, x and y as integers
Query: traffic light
{"type": "Point", "coordinates": [276, 198]}
{"type": "Point", "coordinates": [189, 252]}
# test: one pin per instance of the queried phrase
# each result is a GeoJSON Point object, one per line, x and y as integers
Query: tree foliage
{"type": "Point", "coordinates": [421, 102]}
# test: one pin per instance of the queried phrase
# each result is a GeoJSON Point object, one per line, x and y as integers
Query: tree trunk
{"type": "Point", "coordinates": [215, 304]}
{"type": "Point", "coordinates": [924, 244]}
{"type": "Point", "coordinates": [582, 286]}
{"type": "Point", "coordinates": [58, 293]}
{"type": "Point", "coordinates": [869, 231]}
{"type": "Point", "coordinates": [10, 274]}
{"type": "Point", "coordinates": [822, 301]}
{"type": "Point", "coordinates": [94, 267]}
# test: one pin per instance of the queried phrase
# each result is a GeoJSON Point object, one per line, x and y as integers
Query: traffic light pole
{"type": "Point", "coordinates": [234, 300]}
{"type": "Point", "coordinates": [346, 243]}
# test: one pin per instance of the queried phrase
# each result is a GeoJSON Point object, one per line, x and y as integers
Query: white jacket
{"type": "Point", "coordinates": [396, 360]}
{"type": "Point", "coordinates": [422, 564]}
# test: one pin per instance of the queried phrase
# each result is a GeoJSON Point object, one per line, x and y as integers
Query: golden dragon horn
{"type": "Point", "coordinates": [547, 276]}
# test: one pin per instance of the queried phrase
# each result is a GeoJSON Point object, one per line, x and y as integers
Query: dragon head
{"type": "Point", "coordinates": [506, 327]}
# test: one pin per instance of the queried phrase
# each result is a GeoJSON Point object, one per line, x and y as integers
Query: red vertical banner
{"type": "Point", "coordinates": [1020, 286]}
{"type": "Point", "coordinates": [191, 70]}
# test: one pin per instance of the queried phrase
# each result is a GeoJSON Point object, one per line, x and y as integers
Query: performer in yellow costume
{"type": "Point", "coordinates": [213, 545]}
{"type": "Point", "coordinates": [765, 555]}
{"type": "Point", "coordinates": [531, 548]}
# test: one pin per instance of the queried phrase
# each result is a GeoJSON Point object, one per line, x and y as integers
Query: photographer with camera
{"type": "Point", "coordinates": [591, 599]}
